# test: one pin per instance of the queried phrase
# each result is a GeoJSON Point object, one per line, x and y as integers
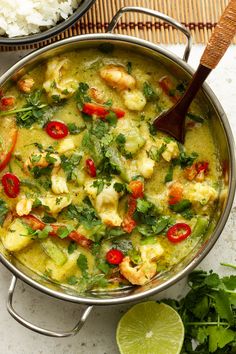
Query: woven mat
{"type": "Point", "coordinates": [199, 16]}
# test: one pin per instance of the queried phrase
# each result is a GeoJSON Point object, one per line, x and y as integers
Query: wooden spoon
{"type": "Point", "coordinates": [172, 122]}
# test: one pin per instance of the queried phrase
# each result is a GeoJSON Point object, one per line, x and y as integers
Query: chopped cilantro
{"type": "Point", "coordinates": [72, 247]}
{"type": "Point", "coordinates": [50, 159]}
{"type": "Point", "coordinates": [129, 67]}
{"type": "Point", "coordinates": [81, 95]}
{"type": "Point", "coordinates": [155, 152]}
{"type": "Point", "coordinates": [149, 92]}
{"type": "Point", "coordinates": [119, 187]}
{"type": "Point", "coordinates": [120, 139]}
{"type": "Point", "coordinates": [48, 219]}
{"type": "Point", "coordinates": [32, 112]}
{"type": "Point", "coordinates": [184, 159]}
{"type": "Point", "coordinates": [82, 263]}
{"type": "Point", "coordinates": [143, 205]}
{"type": "Point", "coordinates": [69, 163]}
{"type": "Point", "coordinates": [64, 231]}
{"type": "Point", "coordinates": [99, 184]}
{"type": "Point", "coordinates": [169, 175]}
{"type": "Point", "coordinates": [75, 129]}
{"type": "Point", "coordinates": [83, 213]}
{"type": "Point", "coordinates": [111, 118]}
{"type": "Point", "coordinates": [72, 280]}
{"type": "Point", "coordinates": [181, 206]}
{"type": "Point", "coordinates": [104, 267]}
{"type": "Point", "coordinates": [45, 232]}
{"type": "Point", "coordinates": [195, 117]}
{"type": "Point", "coordinates": [37, 203]}
{"type": "Point", "coordinates": [108, 103]}
{"type": "Point", "coordinates": [3, 211]}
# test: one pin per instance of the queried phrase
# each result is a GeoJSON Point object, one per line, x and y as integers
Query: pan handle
{"type": "Point", "coordinates": [40, 330]}
{"type": "Point", "coordinates": [159, 15]}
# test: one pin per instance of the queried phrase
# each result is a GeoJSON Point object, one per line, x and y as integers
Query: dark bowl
{"type": "Point", "coordinates": [51, 32]}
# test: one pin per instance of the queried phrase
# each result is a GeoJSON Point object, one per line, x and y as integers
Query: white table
{"type": "Point", "coordinates": [98, 334]}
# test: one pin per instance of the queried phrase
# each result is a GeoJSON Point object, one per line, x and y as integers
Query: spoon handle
{"type": "Point", "coordinates": [221, 38]}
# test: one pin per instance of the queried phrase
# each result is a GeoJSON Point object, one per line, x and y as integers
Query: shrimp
{"type": "Point", "coordinates": [117, 77]}
{"type": "Point", "coordinates": [138, 275]}
{"type": "Point", "coordinates": [41, 160]}
{"type": "Point", "coordinates": [25, 85]}
{"type": "Point", "coordinates": [141, 273]}
{"type": "Point", "coordinates": [97, 96]}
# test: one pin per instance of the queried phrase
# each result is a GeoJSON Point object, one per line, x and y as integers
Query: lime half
{"type": "Point", "coordinates": [150, 328]}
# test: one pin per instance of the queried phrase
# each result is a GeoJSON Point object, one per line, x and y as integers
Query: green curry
{"type": "Point", "coordinates": [92, 196]}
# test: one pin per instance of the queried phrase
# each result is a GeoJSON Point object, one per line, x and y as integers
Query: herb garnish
{"type": "Point", "coordinates": [32, 112]}
{"type": "Point", "coordinates": [208, 313]}
{"type": "Point", "coordinates": [3, 211]}
{"type": "Point", "coordinates": [81, 95]}
{"type": "Point", "coordinates": [149, 92]}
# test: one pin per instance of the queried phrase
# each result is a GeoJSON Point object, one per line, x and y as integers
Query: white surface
{"type": "Point", "coordinates": [98, 334]}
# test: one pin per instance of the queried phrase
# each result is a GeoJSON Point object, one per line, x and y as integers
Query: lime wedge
{"type": "Point", "coordinates": [150, 328]}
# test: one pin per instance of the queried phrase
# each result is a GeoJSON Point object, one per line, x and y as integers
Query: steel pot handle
{"type": "Point", "coordinates": [159, 15]}
{"type": "Point", "coordinates": [40, 330]}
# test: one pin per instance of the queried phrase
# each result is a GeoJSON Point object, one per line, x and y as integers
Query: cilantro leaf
{"type": "Point", "coordinates": [32, 112]}
{"type": "Point", "coordinates": [81, 95]}
{"type": "Point", "coordinates": [45, 232]}
{"type": "Point", "coordinates": [84, 213]}
{"type": "Point", "coordinates": [119, 187]}
{"type": "Point", "coordinates": [99, 184]}
{"type": "Point", "coordinates": [72, 280]}
{"type": "Point", "coordinates": [230, 282]}
{"type": "Point", "coordinates": [69, 163]}
{"type": "Point", "coordinates": [82, 263]}
{"type": "Point", "coordinates": [149, 92]}
{"type": "Point", "coordinates": [72, 247]}
{"type": "Point", "coordinates": [75, 129]}
{"type": "Point", "coordinates": [181, 206]}
{"type": "Point", "coordinates": [129, 67]}
{"type": "Point", "coordinates": [64, 231]}
{"type": "Point", "coordinates": [223, 306]}
{"type": "Point", "coordinates": [184, 159]}
{"type": "Point", "coordinates": [3, 211]}
{"type": "Point", "coordinates": [143, 205]}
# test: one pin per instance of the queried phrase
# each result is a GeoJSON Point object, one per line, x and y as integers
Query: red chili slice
{"type": "Point", "coordinates": [178, 232]}
{"type": "Point", "coordinates": [91, 168]}
{"type": "Point", "coordinates": [136, 188]}
{"type": "Point", "coordinates": [202, 166]}
{"type": "Point", "coordinates": [101, 111]}
{"type": "Point", "coordinates": [56, 130]}
{"type": "Point", "coordinates": [114, 256]}
{"type": "Point", "coordinates": [11, 185]}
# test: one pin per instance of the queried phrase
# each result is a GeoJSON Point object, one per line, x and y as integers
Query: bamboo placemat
{"type": "Point", "coordinates": [199, 16]}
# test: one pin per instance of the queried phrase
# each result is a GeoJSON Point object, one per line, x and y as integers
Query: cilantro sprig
{"type": "Point", "coordinates": [209, 313]}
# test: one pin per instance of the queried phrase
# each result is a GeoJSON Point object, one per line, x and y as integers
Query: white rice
{"type": "Point", "coordinates": [24, 17]}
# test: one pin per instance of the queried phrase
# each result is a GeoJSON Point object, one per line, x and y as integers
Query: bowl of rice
{"type": "Point", "coordinates": [30, 21]}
